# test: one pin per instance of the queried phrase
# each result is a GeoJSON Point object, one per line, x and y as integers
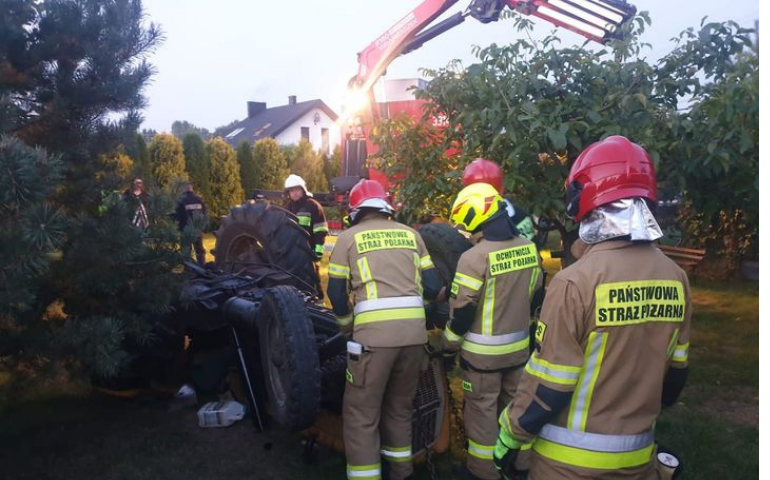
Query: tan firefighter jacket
{"type": "Point", "coordinates": [612, 324]}
{"type": "Point", "coordinates": [500, 278]}
{"type": "Point", "coordinates": [383, 262]}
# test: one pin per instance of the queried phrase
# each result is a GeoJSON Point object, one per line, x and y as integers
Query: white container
{"type": "Point", "coordinates": [220, 414]}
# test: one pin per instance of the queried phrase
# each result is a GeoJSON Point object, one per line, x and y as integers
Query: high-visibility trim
{"type": "Point", "coordinates": [533, 281]}
{"type": "Point", "coordinates": [527, 446]}
{"type": "Point", "coordinates": [387, 315]}
{"type": "Point", "coordinates": [321, 227]}
{"type": "Point", "coordinates": [345, 320]}
{"type": "Point", "coordinates": [397, 454]}
{"type": "Point", "coordinates": [593, 450]}
{"type": "Point", "coordinates": [597, 442]}
{"type": "Point", "coordinates": [551, 372]}
{"type": "Point", "coordinates": [339, 271]}
{"type": "Point", "coordinates": [387, 303]}
{"type": "Point", "coordinates": [304, 220]}
{"type": "Point", "coordinates": [365, 472]}
{"type": "Point", "coordinates": [581, 399]}
{"type": "Point", "coordinates": [451, 336]}
{"type": "Point", "coordinates": [417, 273]}
{"type": "Point", "coordinates": [468, 281]}
{"type": "Point", "coordinates": [366, 278]}
{"type": "Point", "coordinates": [681, 352]}
{"type": "Point", "coordinates": [505, 421]}
{"type": "Point", "coordinates": [319, 249]}
{"type": "Point", "coordinates": [484, 452]}
{"type": "Point", "coordinates": [496, 349]}
{"type": "Point", "coordinates": [488, 310]}
{"type": "Point", "coordinates": [426, 262]}
{"type": "Point", "coordinates": [504, 339]}
{"type": "Point", "coordinates": [672, 344]}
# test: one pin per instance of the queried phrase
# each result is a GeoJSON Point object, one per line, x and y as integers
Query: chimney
{"type": "Point", "coordinates": [255, 108]}
{"type": "Point", "coordinates": [292, 99]}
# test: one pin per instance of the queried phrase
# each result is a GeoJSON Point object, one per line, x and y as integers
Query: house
{"type": "Point", "coordinates": [288, 124]}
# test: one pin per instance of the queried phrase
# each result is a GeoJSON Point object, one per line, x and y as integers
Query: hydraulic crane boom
{"type": "Point", "coordinates": [597, 20]}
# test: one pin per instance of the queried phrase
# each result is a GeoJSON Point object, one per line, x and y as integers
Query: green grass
{"type": "Point", "coordinates": [65, 434]}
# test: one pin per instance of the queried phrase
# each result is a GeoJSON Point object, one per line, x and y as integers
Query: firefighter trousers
{"type": "Point", "coordinates": [377, 411]}
{"type": "Point", "coordinates": [486, 395]}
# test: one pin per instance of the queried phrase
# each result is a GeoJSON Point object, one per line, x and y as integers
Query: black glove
{"type": "Point", "coordinates": [505, 454]}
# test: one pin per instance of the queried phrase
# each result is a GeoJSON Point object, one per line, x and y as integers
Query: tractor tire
{"type": "Point", "coordinates": [263, 234]}
{"type": "Point", "coordinates": [445, 246]}
{"type": "Point", "coordinates": [289, 358]}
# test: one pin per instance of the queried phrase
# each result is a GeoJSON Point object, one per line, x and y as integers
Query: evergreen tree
{"type": "Point", "coordinates": [136, 148]}
{"type": "Point", "coordinates": [31, 228]}
{"type": "Point", "coordinates": [270, 163]}
{"type": "Point", "coordinates": [332, 164]}
{"type": "Point", "coordinates": [248, 167]}
{"type": "Point", "coordinates": [225, 183]}
{"type": "Point", "coordinates": [308, 164]}
{"type": "Point", "coordinates": [72, 77]}
{"type": "Point", "coordinates": [197, 163]}
{"type": "Point", "coordinates": [167, 160]}
{"type": "Point", "coordinates": [180, 129]}
{"type": "Point", "coordinates": [71, 80]}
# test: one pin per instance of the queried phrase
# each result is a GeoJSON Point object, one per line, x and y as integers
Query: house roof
{"type": "Point", "coordinates": [270, 122]}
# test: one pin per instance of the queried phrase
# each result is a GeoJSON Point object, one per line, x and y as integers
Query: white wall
{"type": "Point", "coordinates": [293, 134]}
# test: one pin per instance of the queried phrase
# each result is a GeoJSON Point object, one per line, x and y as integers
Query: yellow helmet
{"type": "Point", "coordinates": [475, 204]}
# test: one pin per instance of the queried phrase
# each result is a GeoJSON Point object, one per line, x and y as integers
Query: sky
{"type": "Point", "coordinates": [217, 55]}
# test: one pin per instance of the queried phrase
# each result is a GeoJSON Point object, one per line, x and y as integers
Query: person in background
{"type": "Point", "coordinates": [189, 208]}
{"type": "Point", "coordinates": [139, 202]}
{"type": "Point", "coordinates": [310, 215]}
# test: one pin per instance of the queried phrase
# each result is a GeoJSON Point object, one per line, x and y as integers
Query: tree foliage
{"type": "Point", "coordinates": [31, 228]}
{"type": "Point", "coordinates": [72, 75]}
{"type": "Point", "coordinates": [332, 164]}
{"type": "Point", "coordinates": [167, 160]}
{"type": "Point", "coordinates": [225, 183]}
{"type": "Point", "coordinates": [180, 129]}
{"type": "Point", "coordinates": [197, 163]}
{"type": "Point", "coordinates": [71, 79]}
{"type": "Point", "coordinates": [136, 148]}
{"type": "Point", "coordinates": [308, 164]}
{"type": "Point", "coordinates": [248, 167]}
{"type": "Point", "coordinates": [534, 105]}
{"type": "Point", "coordinates": [271, 164]}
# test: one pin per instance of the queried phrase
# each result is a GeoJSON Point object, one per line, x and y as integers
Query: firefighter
{"type": "Point", "coordinates": [388, 270]}
{"type": "Point", "coordinates": [489, 317]}
{"type": "Point", "coordinates": [482, 170]}
{"type": "Point", "coordinates": [310, 215]}
{"type": "Point", "coordinates": [614, 336]}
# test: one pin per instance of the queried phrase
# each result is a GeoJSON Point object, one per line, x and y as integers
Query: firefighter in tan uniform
{"type": "Point", "coordinates": [388, 270]}
{"type": "Point", "coordinates": [614, 334]}
{"type": "Point", "coordinates": [489, 317]}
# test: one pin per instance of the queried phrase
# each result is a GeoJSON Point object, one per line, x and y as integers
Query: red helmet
{"type": "Point", "coordinates": [482, 170]}
{"type": "Point", "coordinates": [366, 190]}
{"type": "Point", "coordinates": [609, 170]}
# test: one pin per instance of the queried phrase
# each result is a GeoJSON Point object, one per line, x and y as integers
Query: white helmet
{"type": "Point", "coordinates": [296, 181]}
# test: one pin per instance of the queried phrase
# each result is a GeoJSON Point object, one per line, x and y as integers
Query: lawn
{"type": "Point", "coordinates": [66, 433]}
